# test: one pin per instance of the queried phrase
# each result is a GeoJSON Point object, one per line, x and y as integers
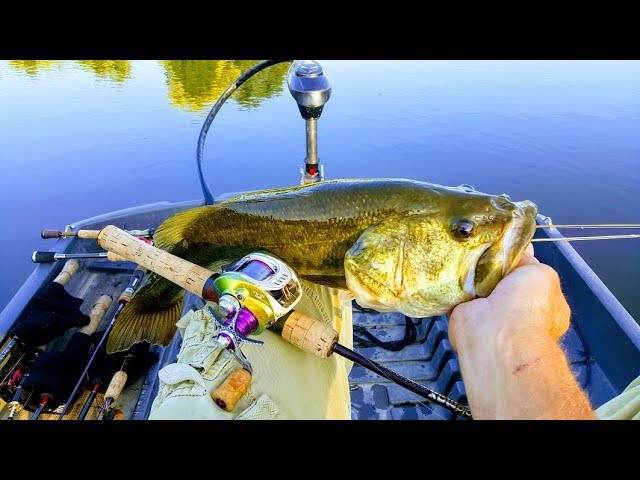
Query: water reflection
{"type": "Point", "coordinates": [32, 67]}
{"type": "Point", "coordinates": [114, 70]}
{"type": "Point", "coordinates": [196, 84]}
{"type": "Point", "coordinates": [192, 84]}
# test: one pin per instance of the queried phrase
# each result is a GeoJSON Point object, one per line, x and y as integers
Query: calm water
{"type": "Point", "coordinates": [78, 139]}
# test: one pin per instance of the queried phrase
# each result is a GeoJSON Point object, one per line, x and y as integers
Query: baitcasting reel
{"type": "Point", "coordinates": [254, 293]}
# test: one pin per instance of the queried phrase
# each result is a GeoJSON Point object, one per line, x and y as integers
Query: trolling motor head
{"type": "Point", "coordinates": [310, 87]}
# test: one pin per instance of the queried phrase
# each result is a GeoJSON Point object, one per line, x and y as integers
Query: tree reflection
{"type": "Point", "coordinates": [192, 84]}
{"type": "Point", "coordinates": [115, 70]}
{"type": "Point", "coordinates": [32, 67]}
{"type": "Point", "coordinates": [196, 84]}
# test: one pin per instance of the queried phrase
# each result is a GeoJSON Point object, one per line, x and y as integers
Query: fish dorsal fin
{"type": "Point", "coordinates": [172, 230]}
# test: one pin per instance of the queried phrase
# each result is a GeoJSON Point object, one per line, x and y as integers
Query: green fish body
{"type": "Point", "coordinates": [398, 245]}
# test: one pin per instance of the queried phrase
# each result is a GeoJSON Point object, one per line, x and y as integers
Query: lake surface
{"type": "Point", "coordinates": [81, 138]}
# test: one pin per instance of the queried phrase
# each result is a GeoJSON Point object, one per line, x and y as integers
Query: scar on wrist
{"type": "Point", "coordinates": [525, 365]}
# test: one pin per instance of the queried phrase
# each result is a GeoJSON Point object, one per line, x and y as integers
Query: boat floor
{"type": "Point", "coordinates": [429, 360]}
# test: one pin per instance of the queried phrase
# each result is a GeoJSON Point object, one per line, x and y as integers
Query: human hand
{"type": "Point", "coordinates": [529, 298]}
{"type": "Point", "coordinates": [507, 345]}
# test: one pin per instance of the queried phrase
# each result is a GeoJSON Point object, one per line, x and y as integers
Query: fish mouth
{"type": "Point", "coordinates": [518, 234]}
{"type": "Point", "coordinates": [501, 257]}
{"type": "Point", "coordinates": [472, 260]}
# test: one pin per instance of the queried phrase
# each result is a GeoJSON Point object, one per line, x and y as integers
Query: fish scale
{"type": "Point", "coordinates": [390, 241]}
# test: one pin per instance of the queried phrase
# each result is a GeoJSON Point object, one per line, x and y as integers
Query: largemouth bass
{"type": "Point", "coordinates": [397, 245]}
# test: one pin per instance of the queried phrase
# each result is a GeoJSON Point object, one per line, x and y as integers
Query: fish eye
{"type": "Point", "coordinates": [462, 229]}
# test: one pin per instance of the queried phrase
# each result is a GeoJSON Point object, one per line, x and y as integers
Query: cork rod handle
{"type": "Point", "coordinates": [70, 267]}
{"type": "Point", "coordinates": [48, 233]}
{"type": "Point", "coordinates": [309, 334]}
{"type": "Point", "coordinates": [97, 312]}
{"type": "Point", "coordinates": [187, 275]}
{"type": "Point", "coordinates": [116, 385]}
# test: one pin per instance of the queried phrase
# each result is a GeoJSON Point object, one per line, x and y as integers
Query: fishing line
{"type": "Point", "coordinates": [594, 225]}
{"type": "Point", "coordinates": [597, 237]}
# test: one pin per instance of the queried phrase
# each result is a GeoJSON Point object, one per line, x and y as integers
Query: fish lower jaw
{"type": "Point", "coordinates": [512, 245]}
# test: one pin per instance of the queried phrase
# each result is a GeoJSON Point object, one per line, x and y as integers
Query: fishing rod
{"type": "Point", "coordinates": [114, 389]}
{"type": "Point", "coordinates": [125, 296]}
{"type": "Point", "coordinates": [15, 405]}
{"type": "Point", "coordinates": [270, 290]}
{"type": "Point", "coordinates": [49, 257]}
{"type": "Point", "coordinates": [54, 312]}
{"type": "Point", "coordinates": [135, 362]}
{"type": "Point", "coordinates": [53, 373]}
{"type": "Point", "coordinates": [40, 256]}
{"type": "Point", "coordinates": [95, 388]}
{"type": "Point", "coordinates": [19, 376]}
{"type": "Point", "coordinates": [44, 399]}
{"type": "Point", "coordinates": [47, 233]}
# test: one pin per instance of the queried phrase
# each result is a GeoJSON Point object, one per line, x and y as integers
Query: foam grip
{"type": "Point", "coordinates": [232, 389]}
{"type": "Point", "coordinates": [43, 257]}
{"type": "Point", "coordinates": [309, 334]}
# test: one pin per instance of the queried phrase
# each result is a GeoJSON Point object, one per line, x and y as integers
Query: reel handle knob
{"type": "Point", "coordinates": [229, 392]}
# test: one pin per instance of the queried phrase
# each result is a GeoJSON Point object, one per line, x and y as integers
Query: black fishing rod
{"type": "Point", "coordinates": [49, 257]}
{"type": "Point", "coordinates": [48, 233]}
{"type": "Point", "coordinates": [95, 388]}
{"type": "Point", "coordinates": [123, 367]}
{"type": "Point", "coordinates": [53, 312]}
{"type": "Point", "coordinates": [407, 383]}
{"type": "Point", "coordinates": [15, 405]}
{"type": "Point", "coordinates": [322, 340]}
{"type": "Point", "coordinates": [125, 296]}
{"type": "Point", "coordinates": [44, 399]}
{"type": "Point", "coordinates": [15, 385]}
